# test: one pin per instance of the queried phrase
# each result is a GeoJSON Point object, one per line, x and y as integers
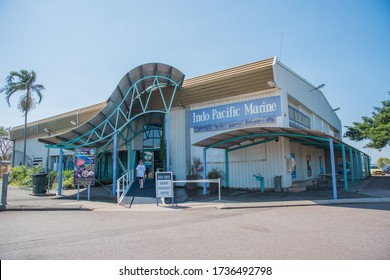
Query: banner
{"type": "Point", "coordinates": [84, 168]}
{"type": "Point", "coordinates": [298, 119]}
{"type": "Point", "coordinates": [235, 115]}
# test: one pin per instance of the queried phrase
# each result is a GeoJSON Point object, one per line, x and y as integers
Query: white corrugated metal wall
{"type": "Point", "coordinates": [268, 159]}
{"type": "Point", "coordinates": [179, 142]}
{"type": "Point", "coordinates": [301, 152]}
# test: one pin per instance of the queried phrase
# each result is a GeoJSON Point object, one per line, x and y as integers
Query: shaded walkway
{"type": "Point", "coordinates": [149, 189]}
{"type": "Point", "coordinates": [373, 187]}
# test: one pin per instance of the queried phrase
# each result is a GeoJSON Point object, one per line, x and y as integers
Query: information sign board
{"type": "Point", "coordinates": [84, 168]}
{"type": "Point", "coordinates": [164, 184]}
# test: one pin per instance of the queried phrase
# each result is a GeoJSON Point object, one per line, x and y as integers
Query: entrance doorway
{"type": "Point", "coordinates": [152, 136]}
{"type": "Point", "coordinates": [152, 163]}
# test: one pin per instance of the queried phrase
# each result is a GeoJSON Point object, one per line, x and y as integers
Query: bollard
{"type": "Point", "coordinates": [4, 190]}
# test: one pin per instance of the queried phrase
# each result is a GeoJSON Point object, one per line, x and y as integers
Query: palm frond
{"type": "Point", "coordinates": [9, 93]}
{"type": "Point", "coordinates": [10, 78]}
{"type": "Point", "coordinates": [22, 81]}
{"type": "Point", "coordinates": [37, 89]}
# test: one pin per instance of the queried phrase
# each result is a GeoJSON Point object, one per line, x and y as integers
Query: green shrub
{"type": "Point", "coordinates": [67, 179]}
{"type": "Point", "coordinates": [21, 175]}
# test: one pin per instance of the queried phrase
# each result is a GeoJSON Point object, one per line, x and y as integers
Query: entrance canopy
{"type": "Point", "coordinates": [247, 137]}
{"type": "Point", "coordinates": [148, 88]}
{"type": "Point", "coordinates": [241, 138]}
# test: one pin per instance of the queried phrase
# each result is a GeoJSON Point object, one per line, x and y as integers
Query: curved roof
{"type": "Point", "coordinates": [238, 80]}
{"type": "Point", "coordinates": [131, 97]}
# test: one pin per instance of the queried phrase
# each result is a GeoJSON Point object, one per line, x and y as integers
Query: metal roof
{"type": "Point", "coordinates": [247, 78]}
{"type": "Point", "coordinates": [131, 97]}
{"type": "Point", "coordinates": [238, 80]}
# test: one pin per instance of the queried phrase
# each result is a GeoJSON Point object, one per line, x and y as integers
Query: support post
{"type": "Point", "coordinates": [78, 192]}
{"type": "Point", "coordinates": [227, 168]}
{"type": "Point", "coordinates": [352, 167]}
{"type": "Point", "coordinates": [114, 163]}
{"type": "Point", "coordinates": [167, 139]}
{"type": "Point", "coordinates": [48, 160]}
{"type": "Point", "coordinates": [357, 165]}
{"type": "Point", "coordinates": [131, 162]}
{"type": "Point", "coordinates": [59, 191]}
{"type": "Point", "coordinates": [89, 192]}
{"type": "Point", "coordinates": [219, 188]}
{"type": "Point", "coordinates": [344, 168]}
{"type": "Point", "coordinates": [333, 167]}
{"type": "Point", "coordinates": [204, 170]}
{"type": "Point", "coordinates": [4, 191]}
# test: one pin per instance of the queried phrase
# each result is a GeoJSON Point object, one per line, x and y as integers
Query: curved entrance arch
{"type": "Point", "coordinates": [147, 89]}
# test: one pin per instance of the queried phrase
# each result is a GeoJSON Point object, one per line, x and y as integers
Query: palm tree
{"type": "Point", "coordinates": [23, 81]}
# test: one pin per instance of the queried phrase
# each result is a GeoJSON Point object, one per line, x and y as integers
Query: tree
{"type": "Point", "coordinates": [23, 81]}
{"type": "Point", "coordinates": [383, 162]}
{"type": "Point", "coordinates": [5, 144]}
{"type": "Point", "coordinates": [376, 129]}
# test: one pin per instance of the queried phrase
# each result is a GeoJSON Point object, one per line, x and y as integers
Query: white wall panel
{"type": "Point", "coordinates": [268, 159]}
{"type": "Point", "coordinates": [301, 152]}
{"type": "Point", "coordinates": [300, 90]}
{"type": "Point", "coordinates": [35, 149]}
{"type": "Point", "coordinates": [219, 155]}
{"type": "Point", "coordinates": [179, 153]}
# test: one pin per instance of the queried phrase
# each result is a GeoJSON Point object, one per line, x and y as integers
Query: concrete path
{"type": "Point", "coordinates": [371, 190]}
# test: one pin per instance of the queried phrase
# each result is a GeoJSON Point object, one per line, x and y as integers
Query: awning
{"type": "Point", "coordinates": [249, 136]}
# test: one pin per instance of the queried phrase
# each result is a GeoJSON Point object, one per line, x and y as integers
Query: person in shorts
{"type": "Point", "coordinates": [141, 173]}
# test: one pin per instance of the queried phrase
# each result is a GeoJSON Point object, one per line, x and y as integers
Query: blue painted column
{"type": "Point", "coordinates": [60, 173]}
{"type": "Point", "coordinates": [132, 164]}
{"type": "Point", "coordinates": [352, 167]}
{"type": "Point", "coordinates": [204, 170]}
{"type": "Point", "coordinates": [344, 168]}
{"type": "Point", "coordinates": [360, 166]}
{"type": "Point", "coordinates": [227, 168]}
{"type": "Point", "coordinates": [167, 139]}
{"type": "Point", "coordinates": [357, 165]}
{"type": "Point", "coordinates": [114, 163]}
{"type": "Point", "coordinates": [333, 167]}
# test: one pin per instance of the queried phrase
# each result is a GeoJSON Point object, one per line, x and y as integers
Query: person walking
{"type": "Point", "coordinates": [141, 173]}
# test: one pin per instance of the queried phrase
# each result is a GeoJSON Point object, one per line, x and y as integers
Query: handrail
{"type": "Point", "coordinates": [123, 183]}
{"type": "Point", "coordinates": [203, 181]}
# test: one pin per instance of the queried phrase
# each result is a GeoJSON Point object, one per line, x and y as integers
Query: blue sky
{"type": "Point", "coordinates": [80, 49]}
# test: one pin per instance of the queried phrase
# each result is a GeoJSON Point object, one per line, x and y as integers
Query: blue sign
{"type": "Point", "coordinates": [293, 166]}
{"type": "Point", "coordinates": [298, 119]}
{"type": "Point", "coordinates": [84, 168]}
{"type": "Point", "coordinates": [235, 115]}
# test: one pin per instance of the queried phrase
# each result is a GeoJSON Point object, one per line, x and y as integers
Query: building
{"type": "Point", "coordinates": [258, 119]}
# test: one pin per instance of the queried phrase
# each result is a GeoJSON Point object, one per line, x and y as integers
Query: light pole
{"type": "Point", "coordinates": [47, 160]}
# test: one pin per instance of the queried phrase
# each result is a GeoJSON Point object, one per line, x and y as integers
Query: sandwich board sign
{"type": "Point", "coordinates": [164, 185]}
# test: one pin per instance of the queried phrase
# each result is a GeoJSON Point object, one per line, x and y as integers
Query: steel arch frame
{"type": "Point", "coordinates": [107, 129]}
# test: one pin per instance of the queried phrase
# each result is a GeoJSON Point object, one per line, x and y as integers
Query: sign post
{"type": "Point", "coordinates": [164, 186]}
{"type": "Point", "coordinates": [84, 169]}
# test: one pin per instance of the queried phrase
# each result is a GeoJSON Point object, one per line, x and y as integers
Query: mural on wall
{"type": "Point", "coordinates": [308, 163]}
{"type": "Point", "coordinates": [321, 165]}
{"type": "Point", "coordinates": [293, 169]}
{"type": "Point", "coordinates": [236, 115]}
